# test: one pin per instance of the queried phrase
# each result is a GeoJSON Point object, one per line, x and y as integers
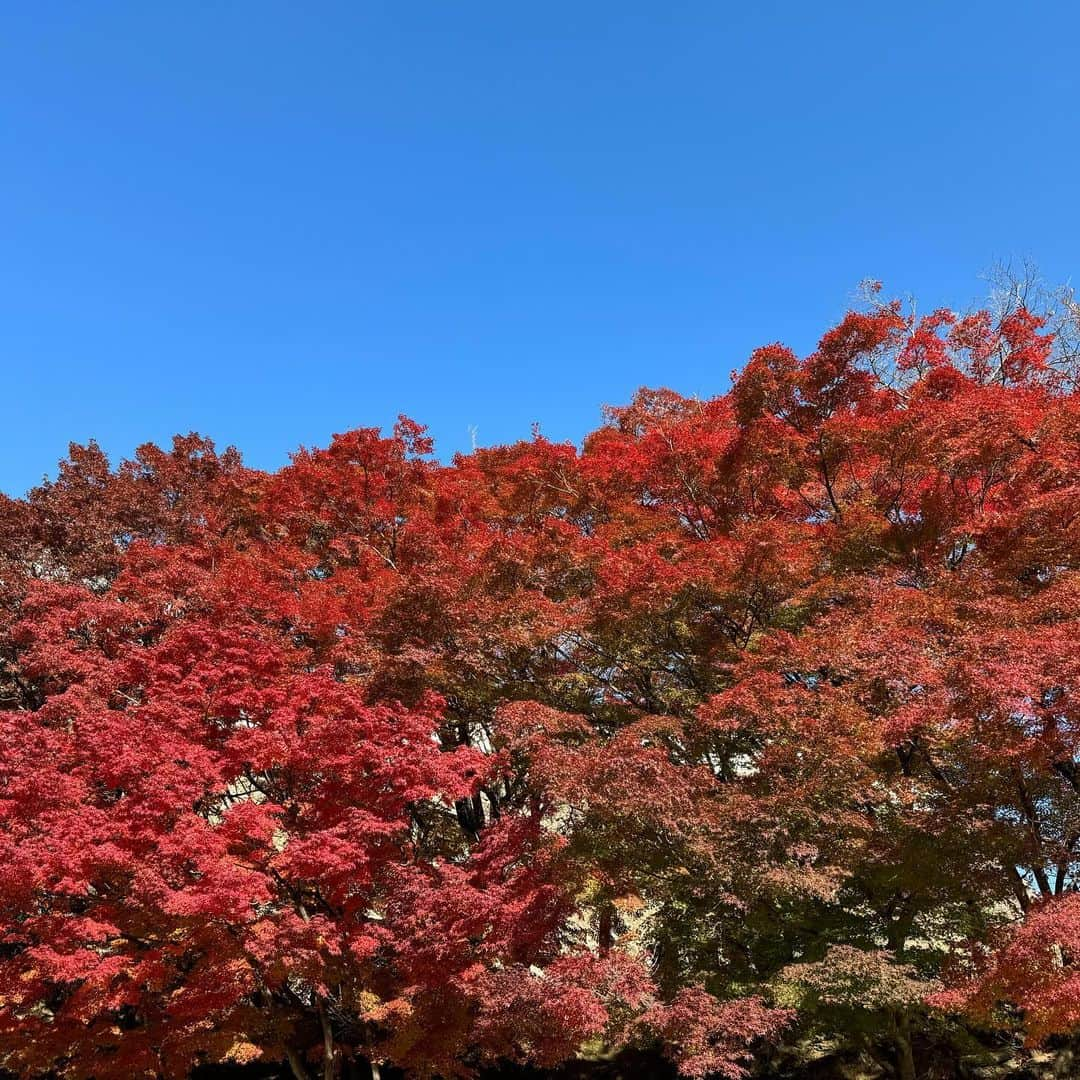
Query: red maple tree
{"type": "Point", "coordinates": [548, 749]}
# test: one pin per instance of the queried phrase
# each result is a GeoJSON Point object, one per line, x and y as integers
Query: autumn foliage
{"type": "Point", "coordinates": [754, 716]}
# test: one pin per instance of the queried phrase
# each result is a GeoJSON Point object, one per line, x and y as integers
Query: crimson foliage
{"type": "Point", "coordinates": [754, 714]}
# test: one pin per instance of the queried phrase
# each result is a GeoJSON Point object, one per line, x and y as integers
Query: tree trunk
{"type": "Point", "coordinates": [329, 1056]}
{"type": "Point", "coordinates": [899, 929]}
{"type": "Point", "coordinates": [905, 1059]}
{"type": "Point", "coordinates": [605, 929]}
{"type": "Point", "coordinates": [296, 1063]}
{"type": "Point", "coordinates": [359, 1068]}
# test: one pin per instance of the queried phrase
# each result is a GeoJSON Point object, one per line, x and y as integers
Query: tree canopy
{"type": "Point", "coordinates": [752, 716]}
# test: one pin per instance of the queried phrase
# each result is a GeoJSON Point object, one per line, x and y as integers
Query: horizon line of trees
{"type": "Point", "coordinates": [751, 721]}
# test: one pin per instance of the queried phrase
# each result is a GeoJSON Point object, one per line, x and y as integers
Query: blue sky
{"type": "Point", "coordinates": [272, 221]}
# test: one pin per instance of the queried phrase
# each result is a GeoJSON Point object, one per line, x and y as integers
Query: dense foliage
{"type": "Point", "coordinates": [755, 717]}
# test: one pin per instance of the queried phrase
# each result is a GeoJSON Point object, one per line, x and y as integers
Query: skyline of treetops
{"type": "Point", "coordinates": [751, 722]}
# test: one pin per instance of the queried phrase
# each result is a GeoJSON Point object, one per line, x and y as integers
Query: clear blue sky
{"type": "Point", "coordinates": [272, 221]}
